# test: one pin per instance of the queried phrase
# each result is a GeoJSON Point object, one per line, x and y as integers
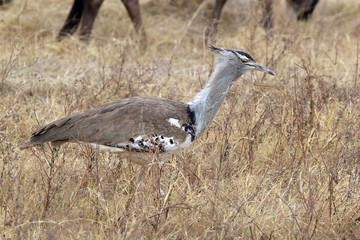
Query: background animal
{"type": "Point", "coordinates": [85, 11]}
{"type": "Point", "coordinates": [2, 2]}
{"type": "Point", "coordinates": [303, 8]}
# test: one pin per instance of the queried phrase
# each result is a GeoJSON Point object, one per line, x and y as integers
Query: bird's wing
{"type": "Point", "coordinates": [120, 122]}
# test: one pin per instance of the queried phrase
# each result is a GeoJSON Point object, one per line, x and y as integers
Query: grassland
{"type": "Point", "coordinates": [280, 161]}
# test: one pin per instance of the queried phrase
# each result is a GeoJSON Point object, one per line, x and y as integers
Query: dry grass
{"type": "Point", "coordinates": [280, 161]}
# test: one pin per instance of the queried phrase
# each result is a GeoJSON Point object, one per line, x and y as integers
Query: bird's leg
{"type": "Point", "coordinates": [92, 161]}
{"type": "Point", "coordinates": [140, 178]}
{"type": "Point", "coordinates": [54, 155]}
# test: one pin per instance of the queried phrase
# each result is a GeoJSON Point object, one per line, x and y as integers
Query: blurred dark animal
{"type": "Point", "coordinates": [302, 8]}
{"type": "Point", "coordinates": [85, 11]}
{"type": "Point", "coordinates": [219, 4]}
{"type": "Point", "coordinates": [2, 2]}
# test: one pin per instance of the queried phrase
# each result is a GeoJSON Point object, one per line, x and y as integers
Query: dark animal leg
{"type": "Point", "coordinates": [91, 9]}
{"type": "Point", "coordinates": [86, 11]}
{"type": "Point", "coordinates": [307, 11]}
{"type": "Point", "coordinates": [73, 20]}
{"type": "Point", "coordinates": [267, 13]}
{"type": "Point", "coordinates": [211, 29]}
{"type": "Point", "coordinates": [133, 9]}
{"type": "Point", "coordinates": [303, 8]}
{"type": "Point", "coordinates": [2, 2]}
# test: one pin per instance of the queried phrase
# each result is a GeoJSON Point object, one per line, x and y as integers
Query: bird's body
{"type": "Point", "coordinates": [138, 124]}
{"type": "Point", "coordinates": [146, 124]}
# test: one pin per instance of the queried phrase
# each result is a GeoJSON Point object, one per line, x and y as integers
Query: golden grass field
{"type": "Point", "coordinates": [280, 161]}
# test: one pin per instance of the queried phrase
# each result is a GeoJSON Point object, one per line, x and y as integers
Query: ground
{"type": "Point", "coordinates": [280, 161]}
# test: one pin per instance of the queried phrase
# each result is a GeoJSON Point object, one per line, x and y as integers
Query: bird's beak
{"type": "Point", "coordinates": [264, 69]}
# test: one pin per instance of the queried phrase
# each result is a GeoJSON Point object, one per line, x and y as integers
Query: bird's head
{"type": "Point", "coordinates": [238, 60]}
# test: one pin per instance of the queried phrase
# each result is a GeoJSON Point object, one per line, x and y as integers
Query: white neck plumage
{"type": "Point", "coordinates": [207, 102]}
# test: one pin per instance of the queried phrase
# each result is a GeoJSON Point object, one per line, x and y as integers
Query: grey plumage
{"type": "Point", "coordinates": [147, 124]}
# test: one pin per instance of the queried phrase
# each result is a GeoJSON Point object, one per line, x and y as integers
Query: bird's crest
{"type": "Point", "coordinates": [216, 50]}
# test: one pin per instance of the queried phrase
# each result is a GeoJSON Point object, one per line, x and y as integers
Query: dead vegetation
{"type": "Point", "coordinates": [280, 161]}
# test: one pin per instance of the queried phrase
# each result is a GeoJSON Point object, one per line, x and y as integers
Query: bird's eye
{"type": "Point", "coordinates": [244, 60]}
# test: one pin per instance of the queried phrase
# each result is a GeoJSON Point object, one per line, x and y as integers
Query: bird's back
{"type": "Point", "coordinates": [137, 124]}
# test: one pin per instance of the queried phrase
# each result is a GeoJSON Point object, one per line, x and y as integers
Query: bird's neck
{"type": "Point", "coordinates": [207, 102]}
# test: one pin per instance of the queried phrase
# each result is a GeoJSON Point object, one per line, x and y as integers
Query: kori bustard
{"type": "Point", "coordinates": [146, 124]}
